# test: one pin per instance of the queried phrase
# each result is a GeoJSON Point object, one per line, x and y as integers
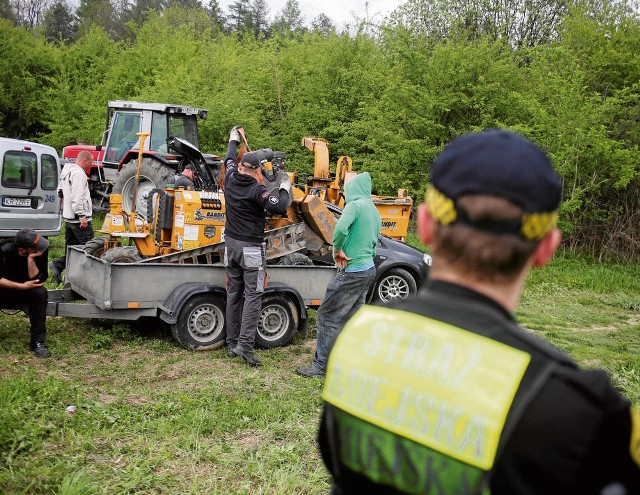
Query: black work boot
{"type": "Point", "coordinates": [248, 356]}
{"type": "Point", "coordinates": [41, 350]}
{"type": "Point", "coordinates": [55, 273]}
{"type": "Point", "coordinates": [310, 372]}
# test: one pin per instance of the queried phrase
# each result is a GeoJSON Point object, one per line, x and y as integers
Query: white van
{"type": "Point", "coordinates": [29, 174]}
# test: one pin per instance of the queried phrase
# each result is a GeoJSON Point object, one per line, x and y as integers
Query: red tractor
{"type": "Point", "coordinates": [116, 159]}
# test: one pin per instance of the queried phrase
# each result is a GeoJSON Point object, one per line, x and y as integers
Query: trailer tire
{"type": "Point", "coordinates": [153, 175]}
{"type": "Point", "coordinates": [95, 247]}
{"type": "Point", "coordinates": [201, 323]}
{"type": "Point", "coordinates": [278, 321]}
{"type": "Point", "coordinates": [394, 285]}
{"type": "Point", "coordinates": [295, 259]}
{"type": "Point", "coordinates": [122, 254]}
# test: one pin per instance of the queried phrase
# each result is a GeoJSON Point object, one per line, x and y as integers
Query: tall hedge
{"type": "Point", "coordinates": [390, 97]}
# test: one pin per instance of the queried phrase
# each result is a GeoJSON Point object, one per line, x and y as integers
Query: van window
{"type": "Point", "coordinates": [20, 169]}
{"type": "Point", "coordinates": [49, 173]}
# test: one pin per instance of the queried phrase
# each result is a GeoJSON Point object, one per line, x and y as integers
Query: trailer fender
{"type": "Point", "coordinates": [170, 310]}
{"type": "Point", "coordinates": [196, 314]}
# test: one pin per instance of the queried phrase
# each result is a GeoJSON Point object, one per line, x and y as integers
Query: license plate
{"type": "Point", "coordinates": [19, 202]}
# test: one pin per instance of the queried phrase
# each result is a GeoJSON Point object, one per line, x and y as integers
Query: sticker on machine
{"type": "Point", "coordinates": [117, 221]}
{"type": "Point", "coordinates": [179, 222]}
{"type": "Point", "coordinates": [191, 232]}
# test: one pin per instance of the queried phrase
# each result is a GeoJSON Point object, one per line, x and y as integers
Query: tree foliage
{"type": "Point", "coordinates": [389, 96]}
{"type": "Point", "coordinates": [60, 23]}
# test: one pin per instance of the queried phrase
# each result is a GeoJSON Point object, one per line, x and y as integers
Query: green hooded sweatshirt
{"type": "Point", "coordinates": [357, 230]}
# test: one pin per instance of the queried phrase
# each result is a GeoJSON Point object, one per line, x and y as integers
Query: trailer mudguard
{"type": "Point", "coordinates": [170, 310]}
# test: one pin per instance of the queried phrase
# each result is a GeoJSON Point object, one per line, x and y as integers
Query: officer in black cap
{"type": "Point", "coordinates": [445, 393]}
{"type": "Point", "coordinates": [23, 271]}
{"type": "Point", "coordinates": [247, 200]}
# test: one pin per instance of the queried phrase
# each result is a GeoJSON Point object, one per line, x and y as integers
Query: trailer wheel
{"type": "Point", "coordinates": [153, 175]}
{"type": "Point", "coordinates": [394, 285]}
{"type": "Point", "coordinates": [95, 247]}
{"type": "Point", "coordinates": [122, 254]}
{"type": "Point", "coordinates": [201, 323]}
{"type": "Point", "coordinates": [278, 322]}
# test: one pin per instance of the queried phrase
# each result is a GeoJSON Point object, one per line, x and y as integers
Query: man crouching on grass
{"type": "Point", "coordinates": [23, 271]}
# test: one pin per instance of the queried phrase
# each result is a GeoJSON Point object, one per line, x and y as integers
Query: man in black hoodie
{"type": "Point", "coordinates": [23, 271]}
{"type": "Point", "coordinates": [247, 201]}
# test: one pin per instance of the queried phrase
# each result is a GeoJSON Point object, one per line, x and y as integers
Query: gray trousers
{"type": "Point", "coordinates": [246, 279]}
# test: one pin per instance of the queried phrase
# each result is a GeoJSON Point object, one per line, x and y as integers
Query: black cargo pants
{"type": "Point", "coordinates": [245, 263]}
{"type": "Point", "coordinates": [35, 302]}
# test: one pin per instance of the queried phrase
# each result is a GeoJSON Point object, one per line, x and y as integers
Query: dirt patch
{"type": "Point", "coordinates": [591, 363]}
{"type": "Point", "coordinates": [608, 328]}
{"type": "Point", "coordinates": [106, 399]}
{"type": "Point", "coordinates": [249, 441]}
{"type": "Point", "coordinates": [137, 399]}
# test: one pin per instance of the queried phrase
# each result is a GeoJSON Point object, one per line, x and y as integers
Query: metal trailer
{"type": "Point", "coordinates": [190, 298]}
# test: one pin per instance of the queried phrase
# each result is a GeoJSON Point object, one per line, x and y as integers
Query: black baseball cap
{"type": "Point", "coordinates": [250, 160]}
{"type": "Point", "coordinates": [498, 163]}
{"type": "Point", "coordinates": [29, 238]}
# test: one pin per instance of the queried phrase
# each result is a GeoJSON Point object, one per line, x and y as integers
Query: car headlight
{"type": "Point", "coordinates": [427, 259]}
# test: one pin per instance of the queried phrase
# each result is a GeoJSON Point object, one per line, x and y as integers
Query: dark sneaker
{"type": "Point", "coordinates": [230, 353]}
{"type": "Point", "coordinates": [55, 273]}
{"type": "Point", "coordinates": [309, 372]}
{"type": "Point", "coordinates": [248, 356]}
{"type": "Point", "coordinates": [41, 350]}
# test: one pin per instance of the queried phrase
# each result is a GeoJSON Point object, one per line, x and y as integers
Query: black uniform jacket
{"type": "Point", "coordinates": [246, 201]}
{"type": "Point", "coordinates": [572, 438]}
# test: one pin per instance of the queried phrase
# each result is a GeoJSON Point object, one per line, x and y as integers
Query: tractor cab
{"type": "Point", "coordinates": [125, 119]}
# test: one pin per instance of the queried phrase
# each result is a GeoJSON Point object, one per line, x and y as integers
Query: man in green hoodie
{"type": "Point", "coordinates": [354, 249]}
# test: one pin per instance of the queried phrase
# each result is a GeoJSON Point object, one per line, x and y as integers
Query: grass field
{"type": "Point", "coordinates": [153, 418]}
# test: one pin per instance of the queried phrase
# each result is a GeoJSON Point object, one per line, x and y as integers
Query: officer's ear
{"type": "Point", "coordinates": [547, 248]}
{"type": "Point", "coordinates": [425, 224]}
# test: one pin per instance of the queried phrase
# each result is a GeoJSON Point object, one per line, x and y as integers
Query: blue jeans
{"type": "Point", "coordinates": [345, 294]}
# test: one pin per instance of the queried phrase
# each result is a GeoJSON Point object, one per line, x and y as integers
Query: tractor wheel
{"type": "Point", "coordinates": [295, 259]}
{"type": "Point", "coordinates": [201, 323]}
{"type": "Point", "coordinates": [394, 285]}
{"type": "Point", "coordinates": [278, 321]}
{"type": "Point", "coordinates": [122, 254]}
{"type": "Point", "coordinates": [153, 175]}
{"type": "Point", "coordinates": [95, 247]}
